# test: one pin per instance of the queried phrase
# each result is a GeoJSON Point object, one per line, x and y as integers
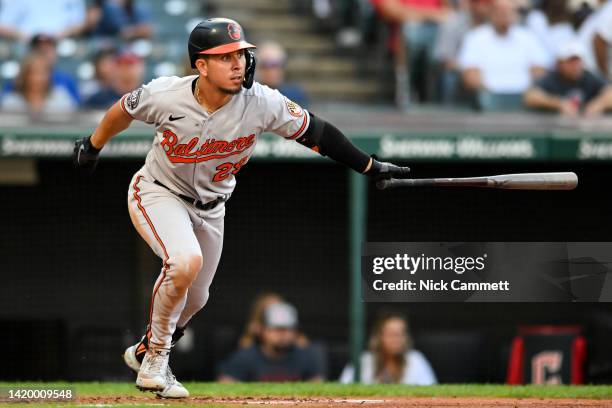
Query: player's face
{"type": "Point", "coordinates": [226, 71]}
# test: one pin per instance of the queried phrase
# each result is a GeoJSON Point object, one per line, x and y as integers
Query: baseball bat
{"type": "Point", "coordinates": [520, 181]}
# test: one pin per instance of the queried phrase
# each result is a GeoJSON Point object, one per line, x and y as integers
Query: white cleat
{"type": "Point", "coordinates": [152, 375]}
{"type": "Point", "coordinates": [174, 389]}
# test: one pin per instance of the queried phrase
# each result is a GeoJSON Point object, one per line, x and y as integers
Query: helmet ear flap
{"type": "Point", "coordinates": [249, 73]}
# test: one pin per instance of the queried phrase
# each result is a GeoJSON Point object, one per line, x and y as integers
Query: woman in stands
{"type": "Point", "coordinates": [391, 358]}
{"type": "Point", "coordinates": [34, 92]}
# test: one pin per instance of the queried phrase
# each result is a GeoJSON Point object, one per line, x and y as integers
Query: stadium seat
{"type": "Point", "coordinates": [455, 356]}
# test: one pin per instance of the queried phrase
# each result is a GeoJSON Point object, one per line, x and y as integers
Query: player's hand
{"type": "Point", "coordinates": [85, 156]}
{"type": "Point", "coordinates": [385, 170]}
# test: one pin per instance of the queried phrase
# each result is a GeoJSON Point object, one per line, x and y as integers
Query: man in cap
{"type": "Point", "coordinates": [276, 357]}
{"type": "Point", "coordinates": [570, 89]}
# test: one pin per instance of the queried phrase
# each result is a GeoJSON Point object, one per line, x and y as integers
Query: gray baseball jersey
{"type": "Point", "coordinates": [196, 153]}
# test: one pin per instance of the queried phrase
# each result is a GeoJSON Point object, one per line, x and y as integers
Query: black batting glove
{"type": "Point", "coordinates": [385, 170]}
{"type": "Point", "coordinates": [85, 156]}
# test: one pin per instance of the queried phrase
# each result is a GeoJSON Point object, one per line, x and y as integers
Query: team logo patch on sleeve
{"type": "Point", "coordinates": [294, 109]}
{"type": "Point", "coordinates": [133, 98]}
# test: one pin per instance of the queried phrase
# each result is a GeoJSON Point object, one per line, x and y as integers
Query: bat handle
{"type": "Point", "coordinates": [384, 184]}
{"type": "Point", "coordinates": [392, 183]}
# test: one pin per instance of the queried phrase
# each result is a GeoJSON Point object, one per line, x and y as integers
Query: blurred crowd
{"type": "Point", "coordinates": [70, 55]}
{"type": "Point", "coordinates": [502, 55]}
{"type": "Point", "coordinates": [40, 30]}
{"type": "Point", "coordinates": [272, 348]}
{"type": "Point", "coordinates": [493, 55]}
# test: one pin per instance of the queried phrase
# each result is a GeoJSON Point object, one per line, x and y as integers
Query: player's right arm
{"type": "Point", "coordinates": [87, 150]}
{"type": "Point", "coordinates": [287, 119]}
{"type": "Point", "coordinates": [115, 121]}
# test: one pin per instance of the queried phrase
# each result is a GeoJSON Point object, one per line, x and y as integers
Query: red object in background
{"type": "Point", "coordinates": [419, 4]}
{"type": "Point", "coordinates": [547, 355]}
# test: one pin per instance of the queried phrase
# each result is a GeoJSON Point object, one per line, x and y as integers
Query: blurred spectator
{"type": "Point", "coordinates": [418, 20]}
{"type": "Point", "coordinates": [105, 65]}
{"type": "Point", "coordinates": [499, 60]}
{"type": "Point", "coordinates": [551, 23]}
{"type": "Point", "coordinates": [21, 19]}
{"type": "Point", "coordinates": [276, 357]}
{"type": "Point", "coordinates": [47, 46]}
{"type": "Point", "coordinates": [471, 14]}
{"type": "Point", "coordinates": [602, 43]}
{"type": "Point", "coordinates": [391, 358]}
{"type": "Point", "coordinates": [587, 34]}
{"type": "Point", "coordinates": [271, 64]}
{"type": "Point", "coordinates": [34, 91]}
{"type": "Point", "coordinates": [127, 19]}
{"type": "Point", "coordinates": [570, 89]}
{"type": "Point", "coordinates": [254, 326]}
{"type": "Point", "coordinates": [128, 76]}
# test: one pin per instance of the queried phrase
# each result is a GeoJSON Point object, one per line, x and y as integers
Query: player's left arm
{"type": "Point", "coordinates": [326, 139]}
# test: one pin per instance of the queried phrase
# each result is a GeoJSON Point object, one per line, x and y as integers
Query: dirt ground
{"type": "Point", "coordinates": [383, 402]}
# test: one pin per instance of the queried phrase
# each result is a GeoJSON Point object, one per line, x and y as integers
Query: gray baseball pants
{"type": "Point", "coordinates": [189, 242]}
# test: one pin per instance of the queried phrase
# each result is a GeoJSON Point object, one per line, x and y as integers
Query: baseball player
{"type": "Point", "coordinates": [206, 127]}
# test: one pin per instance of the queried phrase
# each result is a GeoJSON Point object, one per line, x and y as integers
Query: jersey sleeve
{"type": "Point", "coordinates": [285, 117]}
{"type": "Point", "coordinates": [139, 104]}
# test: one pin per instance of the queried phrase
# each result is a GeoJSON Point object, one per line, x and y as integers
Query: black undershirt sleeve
{"type": "Point", "coordinates": [323, 137]}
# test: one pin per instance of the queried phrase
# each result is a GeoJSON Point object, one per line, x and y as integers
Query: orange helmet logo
{"type": "Point", "coordinates": [234, 30]}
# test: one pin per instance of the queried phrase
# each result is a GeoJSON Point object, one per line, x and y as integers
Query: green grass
{"type": "Point", "coordinates": [340, 390]}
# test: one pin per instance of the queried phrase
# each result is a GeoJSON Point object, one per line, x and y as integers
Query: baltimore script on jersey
{"type": "Point", "coordinates": [190, 153]}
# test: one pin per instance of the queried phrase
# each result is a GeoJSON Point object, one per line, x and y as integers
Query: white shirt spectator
{"type": "Point", "coordinates": [504, 61]}
{"type": "Point", "coordinates": [586, 34]}
{"type": "Point", "coordinates": [550, 36]}
{"type": "Point", "coordinates": [417, 371]}
{"type": "Point", "coordinates": [49, 17]}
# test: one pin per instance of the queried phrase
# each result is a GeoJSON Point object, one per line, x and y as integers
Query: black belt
{"type": "Point", "coordinates": [202, 206]}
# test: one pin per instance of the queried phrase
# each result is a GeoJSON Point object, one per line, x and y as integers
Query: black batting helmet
{"type": "Point", "coordinates": [220, 36]}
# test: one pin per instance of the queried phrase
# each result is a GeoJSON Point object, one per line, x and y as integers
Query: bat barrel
{"type": "Point", "coordinates": [535, 181]}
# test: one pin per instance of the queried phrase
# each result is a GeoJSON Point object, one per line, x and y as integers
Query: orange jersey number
{"type": "Point", "coordinates": [224, 169]}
